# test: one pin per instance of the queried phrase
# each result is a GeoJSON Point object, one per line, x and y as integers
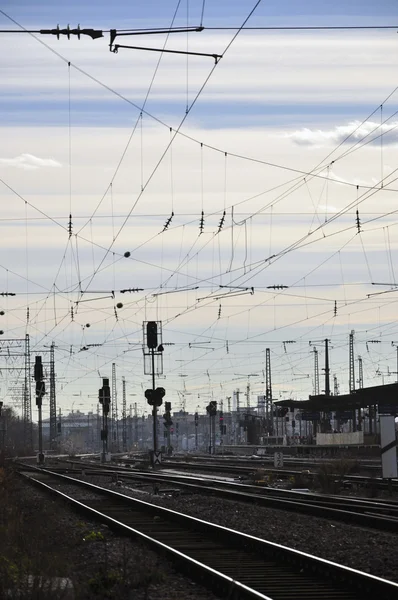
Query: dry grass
{"type": "Point", "coordinates": [39, 543]}
{"type": "Point", "coordinates": [330, 476]}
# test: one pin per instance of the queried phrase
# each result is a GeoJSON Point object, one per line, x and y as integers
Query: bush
{"type": "Point", "coordinates": [330, 476]}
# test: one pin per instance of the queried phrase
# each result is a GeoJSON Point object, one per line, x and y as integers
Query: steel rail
{"type": "Point", "coordinates": [382, 516]}
{"type": "Point", "coordinates": [311, 576]}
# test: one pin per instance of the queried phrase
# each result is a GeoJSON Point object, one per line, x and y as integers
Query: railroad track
{"type": "Point", "coordinates": [246, 470]}
{"type": "Point", "coordinates": [235, 565]}
{"type": "Point", "coordinates": [380, 515]}
{"type": "Point", "coordinates": [367, 464]}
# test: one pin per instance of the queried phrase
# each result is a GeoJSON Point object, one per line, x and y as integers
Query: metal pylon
{"type": "Point", "coordinates": [351, 363]}
{"type": "Point", "coordinates": [124, 417]}
{"type": "Point", "coordinates": [360, 373]}
{"type": "Point", "coordinates": [316, 372]}
{"type": "Point", "coordinates": [53, 403]}
{"type": "Point", "coordinates": [27, 400]}
{"type": "Point", "coordinates": [115, 427]}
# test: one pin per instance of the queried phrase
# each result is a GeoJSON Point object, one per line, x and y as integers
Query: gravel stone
{"type": "Point", "coordinates": [364, 549]}
{"type": "Point", "coordinates": [93, 556]}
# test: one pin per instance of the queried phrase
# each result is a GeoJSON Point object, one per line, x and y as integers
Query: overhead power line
{"type": "Point", "coordinates": [98, 33]}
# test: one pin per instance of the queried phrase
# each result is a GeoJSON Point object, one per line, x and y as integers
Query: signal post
{"type": "Point", "coordinates": [211, 409]}
{"type": "Point", "coordinates": [104, 397]}
{"type": "Point", "coordinates": [167, 424]}
{"type": "Point", "coordinates": [40, 391]}
{"type": "Point", "coordinates": [154, 396]}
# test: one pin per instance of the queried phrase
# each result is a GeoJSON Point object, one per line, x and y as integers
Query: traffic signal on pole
{"type": "Point", "coordinates": [196, 419]}
{"type": "Point", "coordinates": [155, 397]}
{"type": "Point", "coordinates": [152, 334]}
{"type": "Point", "coordinates": [211, 408]}
{"type": "Point", "coordinates": [40, 387]}
{"type": "Point", "coordinates": [167, 417]}
{"type": "Point", "coordinates": [38, 372]}
{"type": "Point", "coordinates": [221, 417]}
{"type": "Point", "coordinates": [104, 395]}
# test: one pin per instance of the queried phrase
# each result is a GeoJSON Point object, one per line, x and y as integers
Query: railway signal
{"type": "Point", "coordinates": [104, 397]}
{"type": "Point", "coordinates": [196, 430]}
{"type": "Point", "coordinates": [211, 410]}
{"type": "Point", "coordinates": [167, 424]}
{"type": "Point", "coordinates": [155, 397]}
{"type": "Point", "coordinates": [153, 347]}
{"type": "Point", "coordinates": [40, 391]}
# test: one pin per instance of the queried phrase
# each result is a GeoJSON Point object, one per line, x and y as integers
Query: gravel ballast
{"type": "Point", "coordinates": [44, 537]}
{"type": "Point", "coordinates": [357, 547]}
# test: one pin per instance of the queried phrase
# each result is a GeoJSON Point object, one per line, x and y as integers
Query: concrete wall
{"type": "Point", "coordinates": [342, 439]}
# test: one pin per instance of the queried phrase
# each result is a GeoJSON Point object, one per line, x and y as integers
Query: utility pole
{"type": "Point", "coordinates": [40, 391]}
{"type": "Point", "coordinates": [352, 375]}
{"type": "Point", "coordinates": [229, 419]}
{"type": "Point", "coordinates": [196, 430]}
{"type": "Point", "coordinates": [59, 424]}
{"type": "Point", "coordinates": [248, 395]}
{"type": "Point", "coordinates": [124, 416]}
{"type": "Point", "coordinates": [221, 424]}
{"type": "Point", "coordinates": [316, 372]}
{"type": "Point", "coordinates": [360, 385]}
{"type": "Point", "coordinates": [327, 369]}
{"type": "Point", "coordinates": [360, 373]}
{"type": "Point", "coordinates": [335, 385]}
{"type": "Point", "coordinates": [2, 436]}
{"type": "Point", "coordinates": [351, 363]}
{"type": "Point", "coordinates": [27, 400]}
{"type": "Point", "coordinates": [136, 436]}
{"type": "Point", "coordinates": [396, 344]}
{"type": "Point", "coordinates": [115, 425]}
{"type": "Point", "coordinates": [268, 393]}
{"type": "Point", "coordinates": [53, 403]}
{"type": "Point", "coordinates": [238, 415]}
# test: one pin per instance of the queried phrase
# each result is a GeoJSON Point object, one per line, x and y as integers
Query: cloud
{"type": "Point", "coordinates": [338, 135]}
{"type": "Point", "coordinates": [28, 162]}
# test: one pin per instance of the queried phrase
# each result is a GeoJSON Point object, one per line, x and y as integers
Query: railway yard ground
{"type": "Point", "coordinates": [42, 540]}
{"type": "Point", "coordinates": [43, 537]}
{"type": "Point", "coordinates": [351, 545]}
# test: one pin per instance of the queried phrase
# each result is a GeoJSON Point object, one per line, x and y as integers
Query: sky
{"type": "Point", "coordinates": [274, 167]}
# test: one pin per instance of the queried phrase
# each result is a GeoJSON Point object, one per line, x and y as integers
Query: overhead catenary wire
{"type": "Point", "coordinates": [250, 214]}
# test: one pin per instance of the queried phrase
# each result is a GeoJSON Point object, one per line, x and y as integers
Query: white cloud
{"type": "Point", "coordinates": [339, 133]}
{"type": "Point", "coordinates": [29, 162]}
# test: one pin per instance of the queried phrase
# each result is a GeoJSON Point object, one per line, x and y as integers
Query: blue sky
{"type": "Point", "coordinates": [219, 9]}
{"type": "Point", "coordinates": [287, 98]}
{"type": "Point", "coordinates": [269, 108]}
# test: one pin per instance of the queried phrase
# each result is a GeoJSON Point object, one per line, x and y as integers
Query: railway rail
{"type": "Point", "coordinates": [376, 514]}
{"type": "Point", "coordinates": [245, 470]}
{"type": "Point", "coordinates": [235, 565]}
